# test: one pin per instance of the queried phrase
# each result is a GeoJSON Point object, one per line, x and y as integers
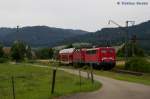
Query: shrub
{"type": "Point", "coordinates": [45, 53]}
{"type": "Point", "coordinates": [76, 65]}
{"type": "Point", "coordinates": [31, 61]}
{"type": "Point", "coordinates": [86, 67]}
{"type": "Point", "coordinates": [138, 65]}
{"type": "Point", "coordinates": [132, 50]}
{"type": "Point", "coordinates": [3, 60]}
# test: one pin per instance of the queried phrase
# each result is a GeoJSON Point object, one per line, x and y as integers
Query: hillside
{"type": "Point", "coordinates": [43, 36]}
{"type": "Point", "coordinates": [37, 35]}
{"type": "Point", "coordinates": [116, 36]}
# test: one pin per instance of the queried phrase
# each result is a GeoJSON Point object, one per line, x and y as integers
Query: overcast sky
{"type": "Point", "coordinates": [89, 15]}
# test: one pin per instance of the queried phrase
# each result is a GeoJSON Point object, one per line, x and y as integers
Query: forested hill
{"type": "Point", "coordinates": [43, 36]}
{"type": "Point", "coordinates": [37, 35]}
{"type": "Point", "coordinates": [115, 36]}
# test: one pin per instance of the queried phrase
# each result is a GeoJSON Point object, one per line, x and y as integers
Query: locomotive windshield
{"type": "Point", "coordinates": [111, 51]}
{"type": "Point", "coordinates": [104, 51]}
{"type": "Point", "coordinates": [91, 51]}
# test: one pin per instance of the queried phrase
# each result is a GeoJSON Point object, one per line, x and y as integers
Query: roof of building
{"type": "Point", "coordinates": [69, 50]}
{"type": "Point", "coordinates": [6, 50]}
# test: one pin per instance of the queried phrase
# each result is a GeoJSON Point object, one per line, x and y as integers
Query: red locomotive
{"type": "Point", "coordinates": [100, 58]}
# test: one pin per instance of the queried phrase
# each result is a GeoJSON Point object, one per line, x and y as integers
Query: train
{"type": "Point", "coordinates": [99, 58]}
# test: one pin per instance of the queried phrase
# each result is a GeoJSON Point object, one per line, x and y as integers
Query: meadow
{"type": "Point", "coordinates": [35, 82]}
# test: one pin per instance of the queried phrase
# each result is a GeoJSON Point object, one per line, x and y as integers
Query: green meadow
{"type": "Point", "coordinates": [35, 82]}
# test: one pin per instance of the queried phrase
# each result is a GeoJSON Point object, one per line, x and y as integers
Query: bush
{"type": "Point", "coordinates": [31, 61]}
{"type": "Point", "coordinates": [86, 67]}
{"type": "Point", "coordinates": [120, 53]}
{"type": "Point", "coordinates": [132, 50]}
{"type": "Point", "coordinates": [45, 53]}
{"type": "Point", "coordinates": [3, 60]}
{"type": "Point", "coordinates": [138, 65]}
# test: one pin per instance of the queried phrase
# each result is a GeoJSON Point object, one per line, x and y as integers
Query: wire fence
{"type": "Point", "coordinates": [42, 86]}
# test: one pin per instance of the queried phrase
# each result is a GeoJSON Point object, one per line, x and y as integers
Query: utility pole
{"type": "Point", "coordinates": [126, 42]}
{"type": "Point", "coordinates": [127, 38]}
{"type": "Point", "coordinates": [17, 31]}
{"type": "Point", "coordinates": [133, 41]}
{"type": "Point", "coordinates": [13, 87]}
{"type": "Point", "coordinates": [17, 28]}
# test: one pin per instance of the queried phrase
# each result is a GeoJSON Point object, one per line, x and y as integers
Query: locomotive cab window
{"type": "Point", "coordinates": [103, 51]}
{"type": "Point", "coordinates": [111, 51]}
{"type": "Point", "coordinates": [91, 52]}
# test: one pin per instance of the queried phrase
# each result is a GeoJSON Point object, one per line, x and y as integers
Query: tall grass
{"type": "Point", "coordinates": [138, 64]}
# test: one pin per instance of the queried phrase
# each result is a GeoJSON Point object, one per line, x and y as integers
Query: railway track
{"type": "Point", "coordinates": [128, 72]}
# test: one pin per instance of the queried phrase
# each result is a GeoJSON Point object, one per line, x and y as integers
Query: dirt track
{"type": "Point", "coordinates": [113, 89]}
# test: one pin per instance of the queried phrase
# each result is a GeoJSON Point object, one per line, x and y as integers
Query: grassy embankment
{"type": "Point", "coordinates": [144, 79]}
{"type": "Point", "coordinates": [35, 82]}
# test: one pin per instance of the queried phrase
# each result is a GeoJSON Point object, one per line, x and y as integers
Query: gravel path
{"type": "Point", "coordinates": [112, 89]}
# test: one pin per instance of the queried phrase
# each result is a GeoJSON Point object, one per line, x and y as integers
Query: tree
{"type": "Point", "coordinates": [1, 51]}
{"type": "Point", "coordinates": [45, 53]}
{"type": "Point", "coordinates": [28, 52]}
{"type": "Point", "coordinates": [132, 50]}
{"type": "Point", "coordinates": [3, 56]}
{"type": "Point", "coordinates": [18, 51]}
{"type": "Point", "coordinates": [51, 53]}
{"type": "Point", "coordinates": [69, 46]}
{"type": "Point", "coordinates": [56, 54]}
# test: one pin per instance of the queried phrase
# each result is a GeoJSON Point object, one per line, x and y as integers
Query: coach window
{"type": "Point", "coordinates": [91, 52]}
{"type": "Point", "coordinates": [76, 50]}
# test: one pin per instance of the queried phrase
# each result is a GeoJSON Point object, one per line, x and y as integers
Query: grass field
{"type": "Point", "coordinates": [148, 58]}
{"type": "Point", "coordinates": [144, 79]}
{"type": "Point", "coordinates": [35, 82]}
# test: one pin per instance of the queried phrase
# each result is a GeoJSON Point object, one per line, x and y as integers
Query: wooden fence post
{"type": "Point", "coordinates": [13, 87]}
{"type": "Point", "coordinates": [53, 81]}
{"type": "Point", "coordinates": [88, 75]}
{"type": "Point", "coordinates": [80, 78]}
{"type": "Point", "coordinates": [92, 76]}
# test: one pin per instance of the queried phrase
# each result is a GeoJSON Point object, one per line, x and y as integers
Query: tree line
{"type": "Point", "coordinates": [20, 51]}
